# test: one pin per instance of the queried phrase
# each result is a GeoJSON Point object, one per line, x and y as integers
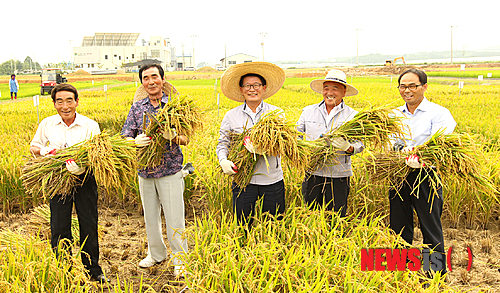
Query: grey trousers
{"type": "Point", "coordinates": [167, 193]}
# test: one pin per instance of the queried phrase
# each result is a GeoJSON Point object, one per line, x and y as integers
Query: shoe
{"type": "Point", "coordinates": [148, 262]}
{"type": "Point", "coordinates": [179, 270]}
{"type": "Point", "coordinates": [100, 279]}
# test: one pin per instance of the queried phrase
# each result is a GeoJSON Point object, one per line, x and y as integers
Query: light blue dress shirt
{"type": "Point", "coordinates": [426, 120]}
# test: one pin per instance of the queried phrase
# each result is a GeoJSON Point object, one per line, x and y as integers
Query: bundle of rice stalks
{"type": "Point", "coordinates": [180, 114]}
{"type": "Point", "coordinates": [322, 154]}
{"type": "Point", "coordinates": [242, 159]}
{"type": "Point", "coordinates": [373, 127]}
{"type": "Point", "coordinates": [272, 135]}
{"type": "Point", "coordinates": [111, 159]}
{"type": "Point", "coordinates": [454, 157]}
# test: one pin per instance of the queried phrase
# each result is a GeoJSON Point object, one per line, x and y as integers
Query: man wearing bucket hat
{"type": "Point", "coordinates": [329, 184]}
{"type": "Point", "coordinates": [161, 186]}
{"type": "Point", "coordinates": [251, 83]}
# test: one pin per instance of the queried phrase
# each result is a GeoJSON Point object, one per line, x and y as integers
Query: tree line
{"type": "Point", "coordinates": [17, 67]}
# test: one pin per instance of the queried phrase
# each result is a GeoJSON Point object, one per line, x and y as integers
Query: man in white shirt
{"type": "Point", "coordinates": [424, 119]}
{"type": "Point", "coordinates": [329, 185]}
{"type": "Point", "coordinates": [58, 132]}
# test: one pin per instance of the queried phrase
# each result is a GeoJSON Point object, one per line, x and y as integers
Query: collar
{"type": "Point", "coordinates": [78, 120]}
{"type": "Point", "coordinates": [424, 106]}
{"type": "Point", "coordinates": [247, 109]}
{"type": "Point", "coordinates": [164, 100]}
{"type": "Point", "coordinates": [336, 109]}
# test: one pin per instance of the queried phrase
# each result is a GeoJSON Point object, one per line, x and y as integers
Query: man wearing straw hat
{"type": "Point", "coordinates": [329, 184]}
{"type": "Point", "coordinates": [161, 186]}
{"type": "Point", "coordinates": [424, 119]}
{"type": "Point", "coordinates": [251, 83]}
{"type": "Point", "coordinates": [61, 131]}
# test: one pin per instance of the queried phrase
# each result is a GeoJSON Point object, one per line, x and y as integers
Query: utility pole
{"type": "Point", "coordinates": [451, 31]}
{"type": "Point", "coordinates": [262, 44]}
{"type": "Point", "coordinates": [183, 58]}
{"type": "Point", "coordinates": [357, 47]}
{"type": "Point", "coordinates": [71, 54]}
{"type": "Point", "coordinates": [194, 64]}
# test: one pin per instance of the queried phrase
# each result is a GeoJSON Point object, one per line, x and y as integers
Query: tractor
{"type": "Point", "coordinates": [50, 78]}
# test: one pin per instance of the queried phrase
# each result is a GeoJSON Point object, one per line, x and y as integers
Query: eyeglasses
{"type": "Point", "coordinates": [412, 87]}
{"type": "Point", "coordinates": [68, 102]}
{"type": "Point", "coordinates": [255, 86]}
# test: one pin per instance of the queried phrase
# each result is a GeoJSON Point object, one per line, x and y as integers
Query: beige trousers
{"type": "Point", "coordinates": [166, 192]}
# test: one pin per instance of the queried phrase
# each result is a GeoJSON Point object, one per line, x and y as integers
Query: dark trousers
{"type": "Point", "coordinates": [244, 200]}
{"type": "Point", "coordinates": [331, 192]}
{"type": "Point", "coordinates": [428, 207]}
{"type": "Point", "coordinates": [85, 200]}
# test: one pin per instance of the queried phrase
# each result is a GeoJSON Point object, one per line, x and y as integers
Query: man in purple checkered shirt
{"type": "Point", "coordinates": [161, 186]}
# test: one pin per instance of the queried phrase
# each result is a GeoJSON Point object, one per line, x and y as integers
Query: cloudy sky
{"type": "Point", "coordinates": [295, 30]}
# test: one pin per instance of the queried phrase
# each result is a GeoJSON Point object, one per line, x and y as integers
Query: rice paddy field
{"type": "Point", "coordinates": [307, 251]}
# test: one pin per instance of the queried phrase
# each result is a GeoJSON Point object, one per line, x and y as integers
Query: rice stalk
{"type": "Point", "coordinates": [455, 157]}
{"type": "Point", "coordinates": [110, 159]}
{"type": "Point", "coordinates": [242, 159]}
{"type": "Point", "coordinates": [180, 114]}
{"type": "Point", "coordinates": [373, 127]}
{"type": "Point", "coordinates": [272, 135]}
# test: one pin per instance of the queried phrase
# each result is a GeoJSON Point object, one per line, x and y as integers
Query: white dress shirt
{"type": "Point", "coordinates": [54, 133]}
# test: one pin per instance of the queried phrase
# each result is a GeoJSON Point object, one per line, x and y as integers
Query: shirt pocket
{"type": "Point", "coordinates": [314, 129]}
{"type": "Point", "coordinates": [56, 140]}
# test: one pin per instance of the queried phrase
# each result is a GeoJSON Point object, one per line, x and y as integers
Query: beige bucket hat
{"type": "Point", "coordinates": [273, 74]}
{"type": "Point", "coordinates": [167, 88]}
{"type": "Point", "coordinates": [337, 76]}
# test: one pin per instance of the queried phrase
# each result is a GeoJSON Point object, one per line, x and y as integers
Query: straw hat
{"type": "Point", "coordinates": [273, 74]}
{"type": "Point", "coordinates": [141, 93]}
{"type": "Point", "coordinates": [337, 76]}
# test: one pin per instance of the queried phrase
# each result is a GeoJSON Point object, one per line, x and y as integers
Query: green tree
{"type": "Point", "coordinates": [28, 63]}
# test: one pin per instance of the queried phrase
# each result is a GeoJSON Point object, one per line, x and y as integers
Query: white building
{"type": "Point", "coordinates": [108, 51]}
{"type": "Point", "coordinates": [237, 59]}
{"type": "Point", "coordinates": [184, 61]}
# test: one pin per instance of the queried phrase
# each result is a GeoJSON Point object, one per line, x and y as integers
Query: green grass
{"type": "Point", "coordinates": [32, 89]}
{"type": "Point", "coordinates": [466, 73]}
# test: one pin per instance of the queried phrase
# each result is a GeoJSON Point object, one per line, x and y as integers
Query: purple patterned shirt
{"type": "Point", "coordinates": [171, 162]}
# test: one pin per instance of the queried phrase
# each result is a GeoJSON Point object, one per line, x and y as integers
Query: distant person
{"type": "Point", "coordinates": [250, 83]}
{"type": "Point", "coordinates": [161, 187]}
{"type": "Point", "coordinates": [58, 132]}
{"type": "Point", "coordinates": [13, 87]}
{"type": "Point", "coordinates": [329, 185]}
{"type": "Point", "coordinates": [424, 119]}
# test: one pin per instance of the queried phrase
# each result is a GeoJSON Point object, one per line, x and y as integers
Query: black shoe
{"type": "Point", "coordinates": [100, 279]}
